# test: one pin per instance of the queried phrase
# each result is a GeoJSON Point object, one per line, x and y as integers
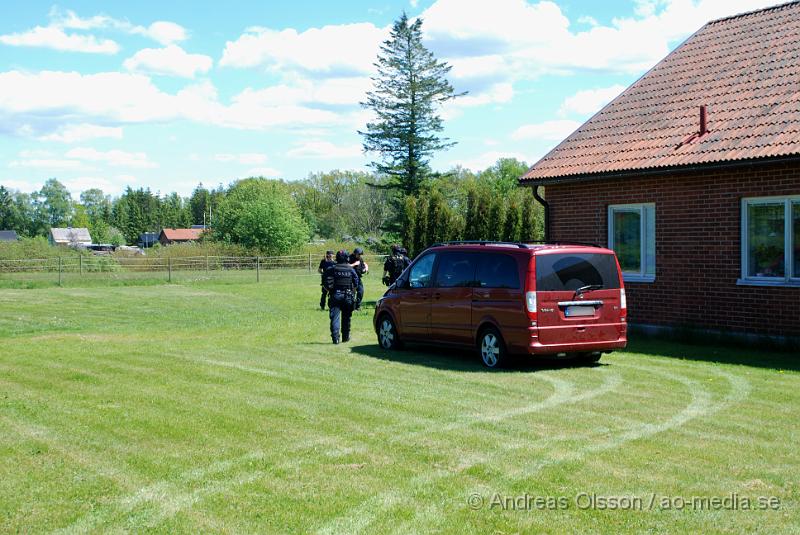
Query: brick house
{"type": "Point", "coordinates": [692, 175]}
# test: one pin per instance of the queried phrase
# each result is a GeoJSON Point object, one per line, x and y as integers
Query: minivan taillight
{"type": "Point", "coordinates": [623, 303]}
{"type": "Point", "coordinates": [530, 291]}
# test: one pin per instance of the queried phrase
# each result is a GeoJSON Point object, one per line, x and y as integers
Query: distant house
{"type": "Point", "coordinates": [179, 235]}
{"type": "Point", "coordinates": [148, 239]}
{"type": "Point", "coordinates": [71, 237]}
{"type": "Point", "coordinates": [692, 175]}
{"type": "Point", "coordinates": [8, 235]}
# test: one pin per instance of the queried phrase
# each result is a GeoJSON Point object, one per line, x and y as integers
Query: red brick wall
{"type": "Point", "coordinates": [698, 256]}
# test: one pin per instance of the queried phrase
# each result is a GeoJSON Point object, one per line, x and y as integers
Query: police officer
{"type": "Point", "coordinates": [356, 261]}
{"type": "Point", "coordinates": [393, 266]}
{"type": "Point", "coordinates": [324, 264]}
{"type": "Point", "coordinates": [341, 281]}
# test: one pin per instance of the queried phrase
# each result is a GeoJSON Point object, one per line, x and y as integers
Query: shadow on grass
{"type": "Point", "coordinates": [745, 356]}
{"type": "Point", "coordinates": [462, 360]}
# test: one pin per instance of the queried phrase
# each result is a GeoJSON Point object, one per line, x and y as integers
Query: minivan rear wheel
{"type": "Point", "coordinates": [387, 333]}
{"type": "Point", "coordinates": [492, 348]}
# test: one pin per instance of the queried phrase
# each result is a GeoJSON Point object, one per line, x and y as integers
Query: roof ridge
{"type": "Point", "coordinates": [755, 11]}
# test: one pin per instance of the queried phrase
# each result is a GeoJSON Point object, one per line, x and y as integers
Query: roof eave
{"type": "Point", "coordinates": [626, 173]}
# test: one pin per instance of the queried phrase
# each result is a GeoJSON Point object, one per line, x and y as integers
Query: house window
{"type": "Point", "coordinates": [632, 235]}
{"type": "Point", "coordinates": [771, 241]}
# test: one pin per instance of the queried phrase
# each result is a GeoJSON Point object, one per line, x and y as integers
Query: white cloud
{"type": "Point", "coordinates": [83, 132]}
{"type": "Point", "coordinates": [487, 159]}
{"type": "Point", "coordinates": [331, 91]}
{"type": "Point", "coordinates": [244, 158]}
{"type": "Point", "coordinates": [28, 102]}
{"type": "Point", "coordinates": [57, 39]}
{"type": "Point", "coordinates": [170, 60]}
{"type": "Point", "coordinates": [521, 39]}
{"type": "Point", "coordinates": [345, 49]}
{"type": "Point", "coordinates": [115, 158]}
{"type": "Point", "coordinates": [547, 130]}
{"type": "Point", "coordinates": [163, 32]}
{"type": "Point", "coordinates": [590, 100]}
{"type": "Point", "coordinates": [324, 149]}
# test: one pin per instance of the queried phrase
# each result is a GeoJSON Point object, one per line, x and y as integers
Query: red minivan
{"type": "Point", "coordinates": [557, 300]}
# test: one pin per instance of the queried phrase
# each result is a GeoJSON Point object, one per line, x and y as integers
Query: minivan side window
{"type": "Point", "coordinates": [420, 273]}
{"type": "Point", "coordinates": [456, 270]}
{"type": "Point", "coordinates": [497, 271]}
{"type": "Point", "coordinates": [570, 271]}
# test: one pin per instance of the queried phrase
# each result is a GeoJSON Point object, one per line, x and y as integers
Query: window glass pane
{"type": "Point", "coordinates": [560, 272]}
{"type": "Point", "coordinates": [628, 239]}
{"type": "Point", "coordinates": [796, 239]}
{"type": "Point", "coordinates": [420, 273]}
{"type": "Point", "coordinates": [650, 240]}
{"type": "Point", "coordinates": [455, 270]}
{"type": "Point", "coordinates": [497, 271]}
{"type": "Point", "coordinates": [765, 237]}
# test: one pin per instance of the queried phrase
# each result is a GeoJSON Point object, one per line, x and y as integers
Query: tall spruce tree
{"type": "Point", "coordinates": [409, 87]}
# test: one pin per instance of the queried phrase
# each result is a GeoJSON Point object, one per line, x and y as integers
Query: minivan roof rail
{"type": "Point", "coordinates": [560, 242]}
{"type": "Point", "coordinates": [480, 242]}
{"type": "Point", "coordinates": [521, 245]}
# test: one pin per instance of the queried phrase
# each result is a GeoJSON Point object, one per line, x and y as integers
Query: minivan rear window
{"type": "Point", "coordinates": [570, 271]}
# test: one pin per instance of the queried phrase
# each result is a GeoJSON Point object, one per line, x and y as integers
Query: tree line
{"type": "Point", "coordinates": [275, 216]}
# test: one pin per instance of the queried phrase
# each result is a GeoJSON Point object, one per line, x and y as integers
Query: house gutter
{"type": "Point", "coordinates": [546, 207]}
{"type": "Point", "coordinates": [658, 171]}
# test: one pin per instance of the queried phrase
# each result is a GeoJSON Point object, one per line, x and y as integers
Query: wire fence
{"type": "Point", "coordinates": [71, 268]}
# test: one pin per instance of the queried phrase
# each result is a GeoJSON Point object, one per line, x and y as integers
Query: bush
{"type": "Point", "coordinates": [37, 247]}
{"type": "Point", "coordinates": [260, 214]}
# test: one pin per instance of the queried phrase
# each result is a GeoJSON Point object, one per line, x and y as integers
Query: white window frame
{"type": "Point", "coordinates": [788, 257]}
{"type": "Point", "coordinates": [647, 212]}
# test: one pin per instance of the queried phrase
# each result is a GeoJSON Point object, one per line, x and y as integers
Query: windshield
{"type": "Point", "coordinates": [571, 271]}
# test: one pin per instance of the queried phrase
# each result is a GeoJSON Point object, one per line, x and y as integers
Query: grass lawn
{"type": "Point", "coordinates": [221, 405]}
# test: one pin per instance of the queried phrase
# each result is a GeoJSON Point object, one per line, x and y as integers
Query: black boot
{"type": "Point", "coordinates": [336, 339]}
{"type": "Point", "coordinates": [346, 338]}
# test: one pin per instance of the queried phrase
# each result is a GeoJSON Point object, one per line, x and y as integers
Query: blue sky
{"type": "Point", "coordinates": [168, 94]}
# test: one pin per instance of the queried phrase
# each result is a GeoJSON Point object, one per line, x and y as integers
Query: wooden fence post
{"type": "Point", "coordinates": [59, 270]}
{"type": "Point", "coordinates": [206, 262]}
{"type": "Point", "coordinates": [80, 264]}
{"type": "Point", "coordinates": [169, 269]}
{"type": "Point", "coordinates": [309, 262]}
{"type": "Point", "coordinates": [258, 269]}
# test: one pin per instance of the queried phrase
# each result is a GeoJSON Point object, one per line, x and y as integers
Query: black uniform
{"type": "Point", "coordinates": [360, 269]}
{"type": "Point", "coordinates": [341, 281]}
{"type": "Point", "coordinates": [324, 264]}
{"type": "Point", "coordinates": [394, 266]}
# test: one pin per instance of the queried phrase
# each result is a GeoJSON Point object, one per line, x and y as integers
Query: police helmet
{"type": "Point", "coordinates": [342, 256]}
{"type": "Point", "coordinates": [358, 250]}
{"type": "Point", "coordinates": [403, 251]}
{"type": "Point", "coordinates": [395, 249]}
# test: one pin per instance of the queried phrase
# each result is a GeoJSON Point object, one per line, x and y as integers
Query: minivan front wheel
{"type": "Point", "coordinates": [491, 348]}
{"type": "Point", "coordinates": [387, 333]}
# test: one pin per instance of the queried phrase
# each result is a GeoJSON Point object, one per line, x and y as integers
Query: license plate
{"type": "Point", "coordinates": [573, 311]}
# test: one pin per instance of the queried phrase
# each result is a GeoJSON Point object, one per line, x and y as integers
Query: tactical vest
{"type": "Point", "coordinates": [340, 280]}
